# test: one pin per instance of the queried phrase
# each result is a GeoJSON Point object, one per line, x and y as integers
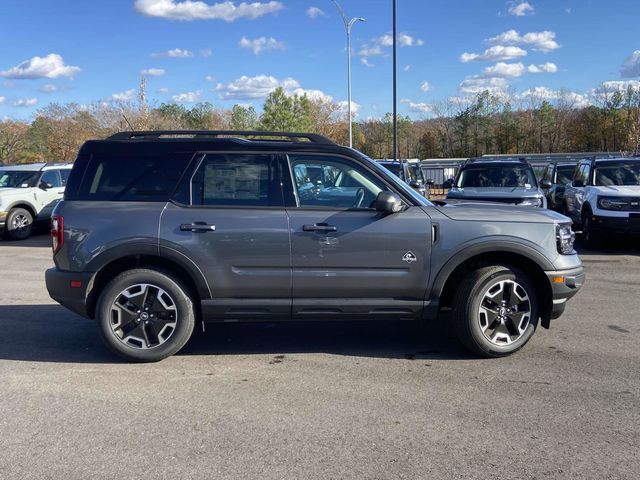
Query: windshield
{"type": "Point", "coordinates": [417, 172]}
{"type": "Point", "coordinates": [18, 178]}
{"type": "Point", "coordinates": [623, 173]}
{"type": "Point", "coordinates": [501, 175]}
{"type": "Point", "coordinates": [564, 175]}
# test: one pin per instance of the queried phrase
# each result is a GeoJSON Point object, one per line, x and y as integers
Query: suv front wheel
{"type": "Point", "coordinates": [145, 315]}
{"type": "Point", "coordinates": [495, 310]}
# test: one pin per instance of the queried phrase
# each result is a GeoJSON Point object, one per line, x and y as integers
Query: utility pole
{"type": "Point", "coordinates": [395, 85]}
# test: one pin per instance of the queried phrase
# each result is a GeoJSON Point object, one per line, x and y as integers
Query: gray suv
{"type": "Point", "coordinates": [504, 180]}
{"type": "Point", "coordinates": [160, 230]}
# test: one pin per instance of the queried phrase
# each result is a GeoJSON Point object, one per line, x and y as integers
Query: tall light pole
{"type": "Point", "coordinates": [395, 85]}
{"type": "Point", "coordinates": [348, 24]}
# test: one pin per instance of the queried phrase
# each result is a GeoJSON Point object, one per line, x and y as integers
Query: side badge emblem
{"type": "Point", "coordinates": [409, 257]}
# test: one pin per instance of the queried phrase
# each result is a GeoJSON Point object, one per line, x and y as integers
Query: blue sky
{"type": "Point", "coordinates": [234, 52]}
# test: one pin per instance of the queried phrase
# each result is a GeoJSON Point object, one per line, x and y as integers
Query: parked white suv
{"type": "Point", "coordinates": [28, 194]}
{"type": "Point", "coordinates": [604, 197]}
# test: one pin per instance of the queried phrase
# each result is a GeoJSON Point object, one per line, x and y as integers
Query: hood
{"type": "Point", "coordinates": [494, 192]}
{"type": "Point", "coordinates": [495, 212]}
{"type": "Point", "coordinates": [628, 190]}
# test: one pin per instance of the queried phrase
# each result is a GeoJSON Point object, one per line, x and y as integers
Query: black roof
{"type": "Point", "coordinates": [245, 135]}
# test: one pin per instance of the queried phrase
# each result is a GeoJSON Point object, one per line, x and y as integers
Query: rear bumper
{"type": "Point", "coordinates": [616, 224]}
{"type": "Point", "coordinates": [564, 285]}
{"type": "Point", "coordinates": [59, 286]}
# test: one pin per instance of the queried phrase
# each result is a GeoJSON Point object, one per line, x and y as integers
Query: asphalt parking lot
{"type": "Point", "coordinates": [355, 400]}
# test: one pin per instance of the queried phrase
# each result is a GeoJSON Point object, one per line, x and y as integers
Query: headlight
{"type": "Point", "coordinates": [565, 237]}
{"type": "Point", "coordinates": [613, 203]}
{"type": "Point", "coordinates": [531, 202]}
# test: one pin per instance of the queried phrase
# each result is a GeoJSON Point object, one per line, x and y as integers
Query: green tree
{"type": "Point", "coordinates": [285, 113]}
{"type": "Point", "coordinates": [243, 118]}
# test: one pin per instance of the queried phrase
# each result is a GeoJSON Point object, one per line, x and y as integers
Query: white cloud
{"type": "Point", "coordinates": [315, 12]}
{"type": "Point", "coordinates": [425, 86]}
{"type": "Point", "coordinates": [365, 61]}
{"type": "Point", "coordinates": [520, 9]}
{"type": "Point", "coordinates": [25, 102]}
{"type": "Point", "coordinates": [502, 69]}
{"type": "Point", "coordinates": [544, 93]}
{"type": "Point", "coordinates": [404, 40]}
{"type": "Point", "coordinates": [2, 99]}
{"type": "Point", "coordinates": [125, 96]}
{"type": "Point", "coordinates": [153, 72]}
{"type": "Point", "coordinates": [163, 90]}
{"type": "Point", "coordinates": [48, 88]}
{"type": "Point", "coordinates": [206, 52]}
{"type": "Point", "coordinates": [497, 52]}
{"type": "Point", "coordinates": [370, 51]}
{"type": "Point", "coordinates": [631, 66]}
{"type": "Point", "coordinates": [475, 85]}
{"type": "Point", "coordinates": [210, 78]}
{"type": "Point", "coordinates": [420, 107]}
{"type": "Point", "coordinates": [252, 88]}
{"type": "Point", "coordinates": [187, 97]}
{"type": "Point", "coordinates": [407, 67]}
{"type": "Point", "coordinates": [543, 68]}
{"type": "Point", "coordinates": [621, 85]}
{"type": "Point", "coordinates": [343, 108]}
{"type": "Point", "coordinates": [261, 44]}
{"type": "Point", "coordinates": [199, 10]}
{"type": "Point", "coordinates": [539, 41]}
{"type": "Point", "coordinates": [314, 95]}
{"type": "Point", "coordinates": [51, 66]}
{"type": "Point", "coordinates": [174, 53]}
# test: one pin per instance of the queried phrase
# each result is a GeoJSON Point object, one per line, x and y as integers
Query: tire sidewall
{"type": "Point", "coordinates": [184, 314]}
{"type": "Point", "coordinates": [14, 234]}
{"type": "Point", "coordinates": [474, 305]}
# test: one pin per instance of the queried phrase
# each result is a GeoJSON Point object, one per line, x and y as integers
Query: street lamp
{"type": "Point", "coordinates": [348, 24]}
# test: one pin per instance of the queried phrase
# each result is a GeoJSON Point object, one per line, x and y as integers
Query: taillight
{"type": "Point", "coordinates": [57, 232]}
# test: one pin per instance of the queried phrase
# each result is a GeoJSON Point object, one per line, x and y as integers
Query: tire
{"type": "Point", "coordinates": [140, 335]}
{"type": "Point", "coordinates": [19, 224]}
{"type": "Point", "coordinates": [479, 295]}
{"type": "Point", "coordinates": [590, 237]}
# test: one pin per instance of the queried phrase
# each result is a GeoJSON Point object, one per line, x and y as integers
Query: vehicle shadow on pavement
{"type": "Point", "coordinates": [40, 238]}
{"type": "Point", "coordinates": [50, 333]}
{"type": "Point", "coordinates": [628, 245]}
{"type": "Point", "coordinates": [381, 339]}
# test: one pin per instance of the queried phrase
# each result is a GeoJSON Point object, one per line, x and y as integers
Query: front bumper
{"type": "Point", "coordinates": [564, 285]}
{"type": "Point", "coordinates": [59, 286]}
{"type": "Point", "coordinates": [626, 224]}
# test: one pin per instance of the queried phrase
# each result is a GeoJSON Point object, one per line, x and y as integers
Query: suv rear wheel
{"type": "Point", "coordinates": [145, 315]}
{"type": "Point", "coordinates": [19, 224]}
{"type": "Point", "coordinates": [495, 310]}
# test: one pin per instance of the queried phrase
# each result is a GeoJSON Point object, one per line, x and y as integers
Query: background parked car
{"type": "Point", "coordinates": [28, 194]}
{"type": "Point", "coordinates": [498, 180]}
{"type": "Point", "coordinates": [604, 197]}
{"type": "Point", "coordinates": [407, 173]}
{"type": "Point", "coordinates": [558, 174]}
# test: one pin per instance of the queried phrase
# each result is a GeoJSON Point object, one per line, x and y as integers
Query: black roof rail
{"type": "Point", "coordinates": [293, 137]}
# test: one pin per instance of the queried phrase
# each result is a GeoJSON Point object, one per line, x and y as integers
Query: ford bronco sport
{"type": "Point", "coordinates": [160, 230]}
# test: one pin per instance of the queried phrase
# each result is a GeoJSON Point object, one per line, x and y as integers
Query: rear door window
{"type": "Point", "coordinates": [51, 177]}
{"type": "Point", "coordinates": [237, 180]}
{"type": "Point", "coordinates": [132, 178]}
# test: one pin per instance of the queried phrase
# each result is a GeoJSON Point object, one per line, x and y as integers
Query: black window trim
{"type": "Point", "coordinates": [297, 206]}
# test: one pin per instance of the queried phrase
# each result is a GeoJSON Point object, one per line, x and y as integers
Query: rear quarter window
{"type": "Point", "coordinates": [132, 178]}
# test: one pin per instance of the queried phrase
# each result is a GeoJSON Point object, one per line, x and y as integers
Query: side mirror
{"type": "Point", "coordinates": [415, 184]}
{"type": "Point", "coordinates": [545, 184]}
{"type": "Point", "coordinates": [577, 183]}
{"type": "Point", "coordinates": [388, 202]}
{"type": "Point", "coordinates": [45, 186]}
{"type": "Point", "coordinates": [447, 184]}
{"type": "Point", "coordinates": [430, 182]}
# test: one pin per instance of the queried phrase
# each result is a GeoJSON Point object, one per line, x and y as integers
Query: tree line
{"type": "Point", "coordinates": [485, 123]}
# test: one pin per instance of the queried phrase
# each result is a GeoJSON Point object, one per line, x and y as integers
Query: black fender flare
{"type": "Point", "coordinates": [488, 246]}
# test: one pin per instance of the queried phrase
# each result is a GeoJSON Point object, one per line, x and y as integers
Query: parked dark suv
{"type": "Point", "coordinates": [160, 230]}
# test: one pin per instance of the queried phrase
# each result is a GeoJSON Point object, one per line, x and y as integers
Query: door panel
{"type": "Point", "coordinates": [47, 199]}
{"type": "Point", "coordinates": [242, 249]}
{"type": "Point", "coordinates": [348, 259]}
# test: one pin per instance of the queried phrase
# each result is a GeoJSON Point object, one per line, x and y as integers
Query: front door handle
{"type": "Point", "coordinates": [197, 227]}
{"type": "Point", "coordinates": [320, 227]}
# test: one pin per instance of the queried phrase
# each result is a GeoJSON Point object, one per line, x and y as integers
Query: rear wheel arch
{"type": "Point", "coordinates": [116, 266]}
{"type": "Point", "coordinates": [534, 266]}
{"type": "Point", "coordinates": [27, 206]}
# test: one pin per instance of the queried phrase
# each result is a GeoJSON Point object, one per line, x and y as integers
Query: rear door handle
{"type": "Point", "coordinates": [320, 227]}
{"type": "Point", "coordinates": [197, 227]}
